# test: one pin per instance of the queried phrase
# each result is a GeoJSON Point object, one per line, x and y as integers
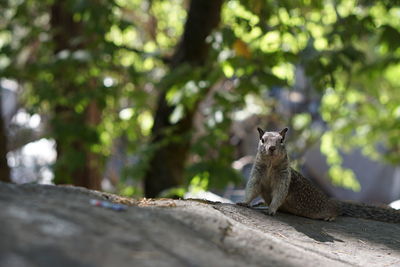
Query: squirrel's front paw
{"type": "Point", "coordinates": [271, 212]}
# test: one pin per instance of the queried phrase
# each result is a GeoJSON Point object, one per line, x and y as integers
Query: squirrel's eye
{"type": "Point", "coordinates": [262, 141]}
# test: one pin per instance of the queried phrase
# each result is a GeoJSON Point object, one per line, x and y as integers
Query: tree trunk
{"type": "Point", "coordinates": [76, 164]}
{"type": "Point", "coordinates": [92, 178]}
{"type": "Point", "coordinates": [166, 168]}
{"type": "Point", "coordinates": [4, 168]}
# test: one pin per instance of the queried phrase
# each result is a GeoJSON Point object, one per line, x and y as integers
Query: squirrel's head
{"type": "Point", "coordinates": [272, 144]}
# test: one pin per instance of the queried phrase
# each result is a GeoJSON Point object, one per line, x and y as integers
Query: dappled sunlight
{"type": "Point", "coordinates": [135, 92]}
{"type": "Point", "coordinates": [199, 132]}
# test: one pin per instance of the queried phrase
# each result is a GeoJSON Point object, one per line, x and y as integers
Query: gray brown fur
{"type": "Point", "coordinates": [285, 189]}
{"type": "Point", "coordinates": [361, 210]}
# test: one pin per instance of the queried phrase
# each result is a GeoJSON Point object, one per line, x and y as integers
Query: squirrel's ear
{"type": "Point", "coordinates": [283, 133]}
{"type": "Point", "coordinates": [260, 131]}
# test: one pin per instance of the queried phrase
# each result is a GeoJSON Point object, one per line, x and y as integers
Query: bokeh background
{"type": "Point", "coordinates": [162, 98]}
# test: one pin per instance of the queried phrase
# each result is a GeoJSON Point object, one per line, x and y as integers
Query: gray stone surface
{"type": "Point", "coordinates": [56, 226]}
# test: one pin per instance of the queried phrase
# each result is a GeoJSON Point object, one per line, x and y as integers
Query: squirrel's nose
{"type": "Point", "coordinates": [272, 148]}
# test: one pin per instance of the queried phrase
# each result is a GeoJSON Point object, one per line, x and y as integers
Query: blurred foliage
{"type": "Point", "coordinates": [349, 50]}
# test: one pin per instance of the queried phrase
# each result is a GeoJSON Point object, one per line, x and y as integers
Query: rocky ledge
{"type": "Point", "coordinates": [45, 225]}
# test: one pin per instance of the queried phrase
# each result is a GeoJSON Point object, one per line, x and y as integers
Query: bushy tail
{"type": "Point", "coordinates": [365, 211]}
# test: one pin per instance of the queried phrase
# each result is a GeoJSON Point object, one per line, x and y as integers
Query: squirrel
{"type": "Point", "coordinates": [287, 190]}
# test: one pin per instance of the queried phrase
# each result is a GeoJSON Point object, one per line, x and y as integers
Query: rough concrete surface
{"type": "Point", "coordinates": [56, 226]}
